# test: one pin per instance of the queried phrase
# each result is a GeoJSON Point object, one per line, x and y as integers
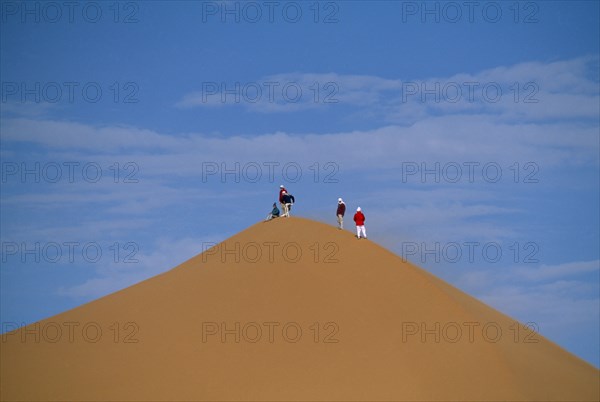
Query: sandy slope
{"type": "Point", "coordinates": [372, 327]}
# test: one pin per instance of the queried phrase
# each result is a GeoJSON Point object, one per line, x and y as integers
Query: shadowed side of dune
{"type": "Point", "coordinates": [290, 309]}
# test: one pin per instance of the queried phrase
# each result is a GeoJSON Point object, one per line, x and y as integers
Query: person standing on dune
{"type": "Point", "coordinates": [341, 210]}
{"type": "Point", "coordinates": [359, 219]}
{"type": "Point", "coordinates": [282, 191]}
{"type": "Point", "coordinates": [288, 201]}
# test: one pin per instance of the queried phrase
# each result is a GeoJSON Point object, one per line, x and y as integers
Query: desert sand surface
{"type": "Point", "coordinates": [290, 309]}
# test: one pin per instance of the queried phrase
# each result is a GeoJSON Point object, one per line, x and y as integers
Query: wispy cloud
{"type": "Point", "coordinates": [529, 91]}
{"type": "Point", "coordinates": [555, 272]}
{"type": "Point", "coordinates": [444, 138]}
{"type": "Point", "coordinates": [166, 254]}
{"type": "Point", "coordinates": [560, 301]}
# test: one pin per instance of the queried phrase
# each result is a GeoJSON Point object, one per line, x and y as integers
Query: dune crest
{"type": "Point", "coordinates": [290, 309]}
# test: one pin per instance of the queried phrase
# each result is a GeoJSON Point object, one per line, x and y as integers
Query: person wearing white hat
{"type": "Point", "coordinates": [341, 210]}
{"type": "Point", "coordinates": [282, 191]}
{"type": "Point", "coordinates": [359, 219]}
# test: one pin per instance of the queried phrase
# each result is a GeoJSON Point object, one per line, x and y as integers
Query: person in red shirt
{"type": "Point", "coordinates": [359, 219]}
{"type": "Point", "coordinates": [282, 191]}
{"type": "Point", "coordinates": [341, 210]}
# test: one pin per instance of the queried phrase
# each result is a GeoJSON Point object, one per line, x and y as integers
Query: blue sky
{"type": "Point", "coordinates": [455, 129]}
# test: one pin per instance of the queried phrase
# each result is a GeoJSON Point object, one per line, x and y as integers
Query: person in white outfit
{"type": "Point", "coordinates": [341, 210]}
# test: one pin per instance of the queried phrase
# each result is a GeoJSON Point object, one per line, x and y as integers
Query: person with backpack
{"type": "Point", "coordinates": [359, 219]}
{"type": "Point", "coordinates": [341, 210]}
{"type": "Point", "coordinates": [288, 201]}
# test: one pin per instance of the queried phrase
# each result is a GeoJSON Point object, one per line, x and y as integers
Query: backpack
{"type": "Point", "coordinates": [289, 199]}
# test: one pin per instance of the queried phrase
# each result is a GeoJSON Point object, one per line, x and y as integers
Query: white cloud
{"type": "Point", "coordinates": [70, 135]}
{"type": "Point", "coordinates": [561, 300]}
{"type": "Point", "coordinates": [442, 139]}
{"type": "Point", "coordinates": [530, 91]}
{"type": "Point", "coordinates": [27, 109]}
{"type": "Point", "coordinates": [293, 92]}
{"type": "Point", "coordinates": [165, 255]}
{"type": "Point", "coordinates": [554, 272]}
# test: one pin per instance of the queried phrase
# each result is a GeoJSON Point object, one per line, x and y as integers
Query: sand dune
{"type": "Point", "coordinates": [289, 310]}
